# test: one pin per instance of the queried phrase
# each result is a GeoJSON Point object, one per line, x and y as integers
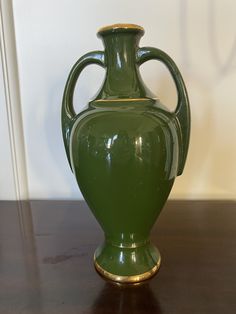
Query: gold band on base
{"type": "Point", "coordinates": [128, 279]}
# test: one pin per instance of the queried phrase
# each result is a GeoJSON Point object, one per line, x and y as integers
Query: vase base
{"type": "Point", "coordinates": [127, 265]}
{"type": "Point", "coordinates": [127, 279]}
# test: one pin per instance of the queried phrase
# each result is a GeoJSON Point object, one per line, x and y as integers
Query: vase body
{"type": "Point", "coordinates": [125, 150]}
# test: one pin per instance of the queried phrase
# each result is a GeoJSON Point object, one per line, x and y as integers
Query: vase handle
{"type": "Point", "coordinates": [182, 111]}
{"type": "Point", "coordinates": [68, 115]}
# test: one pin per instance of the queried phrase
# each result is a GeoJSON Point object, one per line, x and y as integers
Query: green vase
{"type": "Point", "coordinates": [125, 150]}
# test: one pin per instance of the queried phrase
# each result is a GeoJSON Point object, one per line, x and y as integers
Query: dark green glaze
{"type": "Point", "coordinates": [125, 149]}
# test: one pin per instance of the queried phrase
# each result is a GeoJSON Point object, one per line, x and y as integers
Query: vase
{"type": "Point", "coordinates": [125, 149]}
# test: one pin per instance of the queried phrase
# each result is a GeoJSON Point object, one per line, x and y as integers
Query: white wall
{"type": "Point", "coordinates": [7, 187]}
{"type": "Point", "coordinates": [199, 35]}
{"type": "Point", "coordinates": [13, 172]}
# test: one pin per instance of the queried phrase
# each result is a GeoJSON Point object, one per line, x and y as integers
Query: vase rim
{"type": "Point", "coordinates": [120, 28]}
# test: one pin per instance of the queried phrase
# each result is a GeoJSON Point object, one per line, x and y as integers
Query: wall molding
{"type": "Point", "coordinates": [12, 99]}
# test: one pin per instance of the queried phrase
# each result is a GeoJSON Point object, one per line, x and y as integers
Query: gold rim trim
{"type": "Point", "coordinates": [120, 26]}
{"type": "Point", "coordinates": [128, 279]}
{"type": "Point", "coordinates": [123, 99]}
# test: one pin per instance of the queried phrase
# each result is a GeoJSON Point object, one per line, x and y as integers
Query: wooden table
{"type": "Point", "coordinates": [46, 261]}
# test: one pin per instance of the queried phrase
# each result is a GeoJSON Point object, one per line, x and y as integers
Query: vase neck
{"type": "Point", "coordinates": [122, 77]}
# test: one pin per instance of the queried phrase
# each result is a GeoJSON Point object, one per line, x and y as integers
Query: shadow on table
{"type": "Point", "coordinates": [126, 299]}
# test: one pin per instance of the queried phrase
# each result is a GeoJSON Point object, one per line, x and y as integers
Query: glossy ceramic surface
{"type": "Point", "coordinates": [125, 149]}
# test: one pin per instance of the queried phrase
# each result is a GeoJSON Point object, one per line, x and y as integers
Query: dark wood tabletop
{"type": "Point", "coordinates": [46, 261]}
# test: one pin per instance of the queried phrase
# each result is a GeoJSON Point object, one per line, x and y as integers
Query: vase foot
{"type": "Point", "coordinates": [127, 265]}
